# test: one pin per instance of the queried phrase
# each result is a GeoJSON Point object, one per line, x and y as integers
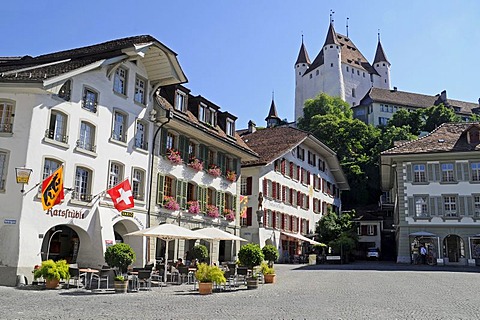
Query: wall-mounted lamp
{"type": "Point", "coordinates": [23, 176]}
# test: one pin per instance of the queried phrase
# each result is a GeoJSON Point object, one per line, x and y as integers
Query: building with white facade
{"type": "Point", "coordinates": [296, 180]}
{"type": "Point", "coordinates": [87, 110]}
{"type": "Point", "coordinates": [197, 164]}
{"type": "Point", "coordinates": [434, 187]}
{"type": "Point", "coordinates": [339, 70]}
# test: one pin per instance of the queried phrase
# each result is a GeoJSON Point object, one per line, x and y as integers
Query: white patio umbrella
{"type": "Point", "coordinates": [168, 232]}
{"type": "Point", "coordinates": [216, 235]}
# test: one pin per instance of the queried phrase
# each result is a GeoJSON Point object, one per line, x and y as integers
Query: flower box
{"type": "Point", "coordinates": [229, 214]}
{"type": "Point", "coordinates": [196, 164]}
{"type": "Point", "coordinates": [170, 203]}
{"type": "Point", "coordinates": [193, 207]}
{"type": "Point", "coordinates": [231, 176]}
{"type": "Point", "coordinates": [212, 211]}
{"type": "Point", "coordinates": [214, 170]}
{"type": "Point", "coordinates": [174, 156]}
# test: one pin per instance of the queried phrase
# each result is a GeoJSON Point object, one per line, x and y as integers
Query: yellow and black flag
{"type": "Point", "coordinates": [52, 189]}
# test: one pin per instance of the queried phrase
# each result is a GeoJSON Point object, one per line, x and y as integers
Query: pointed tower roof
{"type": "Point", "coordinates": [380, 54]}
{"type": "Point", "coordinates": [272, 114]}
{"type": "Point", "coordinates": [331, 36]}
{"type": "Point", "coordinates": [303, 55]}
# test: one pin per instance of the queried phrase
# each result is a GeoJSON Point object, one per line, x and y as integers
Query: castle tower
{"type": "Point", "coordinates": [272, 119]}
{"type": "Point", "coordinates": [301, 65]}
{"type": "Point", "coordinates": [382, 66]}
{"type": "Point", "coordinates": [332, 61]}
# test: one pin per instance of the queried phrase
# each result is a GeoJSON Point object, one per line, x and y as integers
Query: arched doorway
{"type": "Point", "coordinates": [61, 242]}
{"type": "Point", "coordinates": [453, 248]}
{"type": "Point", "coordinates": [120, 229]}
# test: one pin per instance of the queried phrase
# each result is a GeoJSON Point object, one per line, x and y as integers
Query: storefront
{"type": "Point", "coordinates": [428, 241]}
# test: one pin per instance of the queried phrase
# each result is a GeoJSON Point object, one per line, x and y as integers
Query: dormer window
{"type": "Point", "coordinates": [206, 115]}
{"type": "Point", "coordinates": [230, 127]}
{"type": "Point", "coordinates": [473, 136]}
{"type": "Point", "coordinates": [180, 101]}
{"type": "Point", "coordinates": [65, 90]}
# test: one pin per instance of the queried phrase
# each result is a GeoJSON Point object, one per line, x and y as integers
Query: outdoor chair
{"type": "Point", "coordinates": [145, 279]}
{"type": "Point", "coordinates": [231, 277]}
{"type": "Point", "coordinates": [185, 273]}
{"type": "Point", "coordinates": [242, 273]}
{"type": "Point", "coordinates": [156, 278]}
{"type": "Point", "coordinates": [102, 276]}
{"type": "Point", "coordinates": [76, 276]}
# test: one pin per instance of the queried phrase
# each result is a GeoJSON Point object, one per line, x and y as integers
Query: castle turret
{"type": "Point", "coordinates": [272, 119]}
{"type": "Point", "coordinates": [382, 66]}
{"type": "Point", "coordinates": [332, 65]}
{"type": "Point", "coordinates": [301, 65]}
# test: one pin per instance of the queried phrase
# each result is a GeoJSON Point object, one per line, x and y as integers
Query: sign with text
{"type": "Point", "coordinates": [9, 221]}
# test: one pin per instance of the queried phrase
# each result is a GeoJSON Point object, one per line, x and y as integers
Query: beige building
{"type": "Point", "coordinates": [435, 186]}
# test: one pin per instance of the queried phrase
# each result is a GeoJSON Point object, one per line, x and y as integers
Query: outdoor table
{"type": "Point", "coordinates": [133, 282]}
{"type": "Point", "coordinates": [89, 272]}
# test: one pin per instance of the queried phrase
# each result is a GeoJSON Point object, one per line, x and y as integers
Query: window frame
{"type": "Point", "coordinates": [119, 136]}
{"type": "Point", "coordinates": [92, 106]}
{"type": "Point", "coordinates": [87, 195]}
{"type": "Point", "coordinates": [139, 90]}
{"type": "Point", "coordinates": [91, 145]}
{"type": "Point", "coordinates": [474, 173]}
{"type": "Point", "coordinates": [51, 133]}
{"type": "Point", "coordinates": [419, 176]}
{"type": "Point", "coordinates": [120, 82]}
{"type": "Point", "coordinates": [180, 94]}
{"type": "Point", "coordinates": [452, 210]}
{"type": "Point", "coordinates": [448, 175]}
{"type": "Point", "coordinates": [7, 116]}
{"type": "Point", "coordinates": [138, 186]}
{"type": "Point", "coordinates": [144, 143]}
{"type": "Point", "coordinates": [423, 206]}
{"type": "Point", "coordinates": [114, 178]}
{"type": "Point", "coordinates": [4, 169]}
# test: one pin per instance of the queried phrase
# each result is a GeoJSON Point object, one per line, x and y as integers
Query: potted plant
{"type": "Point", "coordinates": [268, 273]}
{"type": "Point", "coordinates": [270, 253]}
{"type": "Point", "coordinates": [120, 256]}
{"type": "Point", "coordinates": [229, 214]}
{"type": "Point", "coordinates": [174, 156]}
{"type": "Point", "coordinates": [206, 276]}
{"type": "Point", "coordinates": [214, 170]}
{"type": "Point", "coordinates": [196, 164]}
{"type": "Point", "coordinates": [170, 203]}
{"type": "Point", "coordinates": [52, 272]}
{"type": "Point", "coordinates": [231, 176]}
{"type": "Point", "coordinates": [199, 252]}
{"type": "Point", "coordinates": [193, 207]}
{"type": "Point", "coordinates": [251, 255]}
{"type": "Point", "coordinates": [212, 211]}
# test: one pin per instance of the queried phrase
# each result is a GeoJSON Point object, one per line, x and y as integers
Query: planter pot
{"type": "Point", "coordinates": [120, 286]}
{"type": "Point", "coordinates": [205, 287]}
{"type": "Point", "coordinates": [252, 283]}
{"type": "Point", "coordinates": [52, 283]}
{"type": "Point", "coordinates": [269, 278]}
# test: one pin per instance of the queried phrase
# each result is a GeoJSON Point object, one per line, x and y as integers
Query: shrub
{"type": "Point", "coordinates": [53, 270]}
{"type": "Point", "coordinates": [270, 252]}
{"type": "Point", "coordinates": [120, 256]}
{"type": "Point", "coordinates": [250, 255]}
{"type": "Point", "coordinates": [266, 269]}
{"type": "Point", "coordinates": [200, 253]}
{"type": "Point", "coordinates": [206, 273]}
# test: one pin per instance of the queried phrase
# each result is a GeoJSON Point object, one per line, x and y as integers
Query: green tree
{"type": "Point", "coordinates": [436, 115]}
{"type": "Point", "coordinates": [338, 231]}
{"type": "Point", "coordinates": [322, 105]}
{"type": "Point", "coordinates": [403, 118]}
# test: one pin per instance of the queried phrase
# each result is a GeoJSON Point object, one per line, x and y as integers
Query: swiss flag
{"type": "Point", "coordinates": [122, 196]}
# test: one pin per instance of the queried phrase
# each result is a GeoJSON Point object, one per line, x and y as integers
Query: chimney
{"type": "Point", "coordinates": [443, 95]}
{"type": "Point", "coordinates": [252, 127]}
{"type": "Point", "coordinates": [394, 89]}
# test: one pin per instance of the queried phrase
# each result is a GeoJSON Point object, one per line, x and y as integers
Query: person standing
{"type": "Point", "coordinates": [423, 254]}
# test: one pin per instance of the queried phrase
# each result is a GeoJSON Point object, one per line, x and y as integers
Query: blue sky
{"type": "Point", "coordinates": [235, 53]}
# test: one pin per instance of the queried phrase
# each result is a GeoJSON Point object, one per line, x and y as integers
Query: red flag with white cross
{"type": "Point", "coordinates": [122, 196]}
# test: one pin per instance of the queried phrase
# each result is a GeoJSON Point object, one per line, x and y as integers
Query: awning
{"type": "Point", "coordinates": [423, 234]}
{"type": "Point", "coordinates": [300, 237]}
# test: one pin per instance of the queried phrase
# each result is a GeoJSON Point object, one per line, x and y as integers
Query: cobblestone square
{"type": "Point", "coordinates": [361, 290]}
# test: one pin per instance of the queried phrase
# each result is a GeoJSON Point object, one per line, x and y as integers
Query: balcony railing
{"type": "Point", "coordinates": [6, 128]}
{"type": "Point", "coordinates": [81, 196]}
{"type": "Point", "coordinates": [56, 136]}
{"type": "Point", "coordinates": [140, 145]}
{"type": "Point", "coordinates": [138, 196]}
{"type": "Point", "coordinates": [86, 146]}
{"type": "Point", "coordinates": [119, 137]}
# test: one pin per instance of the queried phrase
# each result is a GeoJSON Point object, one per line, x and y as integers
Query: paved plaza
{"type": "Point", "coordinates": [361, 290]}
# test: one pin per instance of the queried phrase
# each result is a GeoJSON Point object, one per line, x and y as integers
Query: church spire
{"type": "Point", "coordinates": [303, 55]}
{"type": "Point", "coordinates": [331, 36]}
{"type": "Point", "coordinates": [380, 54]}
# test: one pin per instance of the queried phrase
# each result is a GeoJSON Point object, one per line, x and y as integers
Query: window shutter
{"type": "Point", "coordinates": [163, 142]}
{"type": "Point", "coordinates": [203, 200]}
{"type": "Point", "coordinates": [199, 194]}
{"type": "Point", "coordinates": [299, 173]}
{"type": "Point", "coordinates": [274, 190]}
{"type": "Point", "coordinates": [438, 175]}
{"type": "Point", "coordinates": [203, 155]}
{"type": "Point", "coordinates": [440, 207]}
{"type": "Point", "coordinates": [284, 194]}
{"type": "Point", "coordinates": [291, 197]}
{"type": "Point", "coordinates": [282, 215]}
{"type": "Point", "coordinates": [299, 199]}
{"type": "Point", "coordinates": [234, 204]}
{"type": "Point", "coordinates": [160, 186]}
{"type": "Point", "coordinates": [470, 211]}
{"type": "Point", "coordinates": [462, 205]}
{"type": "Point", "coordinates": [411, 207]}
{"type": "Point", "coordinates": [430, 173]}
{"type": "Point", "coordinates": [249, 186]}
{"type": "Point", "coordinates": [291, 169]}
{"type": "Point", "coordinates": [409, 173]}
{"type": "Point", "coordinates": [364, 230]}
{"type": "Point", "coordinates": [374, 230]}
{"type": "Point", "coordinates": [181, 147]}
{"type": "Point", "coordinates": [236, 166]}
{"type": "Point", "coordinates": [466, 171]}
{"type": "Point", "coordinates": [274, 219]}
{"type": "Point", "coordinates": [249, 216]}
{"type": "Point", "coordinates": [279, 190]}
{"type": "Point", "coordinates": [265, 187]}
{"type": "Point", "coordinates": [220, 201]}
{"type": "Point", "coordinates": [308, 178]}
{"type": "Point", "coordinates": [432, 206]}
{"type": "Point", "coordinates": [459, 175]}
{"type": "Point", "coordinates": [178, 192]}
{"type": "Point", "coordinates": [283, 166]}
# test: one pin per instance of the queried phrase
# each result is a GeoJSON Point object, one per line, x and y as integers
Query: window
{"type": "Point", "coordinates": [353, 92]}
{"type": "Point", "coordinates": [120, 81]}
{"type": "Point", "coordinates": [419, 173]}
{"type": "Point", "coordinates": [476, 204]}
{"type": "Point", "coordinates": [211, 196]}
{"type": "Point", "coordinates": [300, 153]}
{"type": "Point", "coordinates": [57, 129]}
{"type": "Point", "coordinates": [192, 150]}
{"type": "Point", "coordinates": [475, 166]}
{"type": "Point", "coordinates": [140, 90]}
{"type": "Point", "coordinates": [65, 91]}
{"type": "Point", "coordinates": [206, 115]}
{"type": "Point", "coordinates": [170, 141]}
{"type": "Point", "coordinates": [447, 172]}
{"type": "Point", "coordinates": [201, 112]}
{"type": "Point", "coordinates": [138, 184]}
{"type": "Point", "coordinates": [180, 101]}
{"type": "Point", "coordinates": [119, 126]}
{"type": "Point", "coordinates": [115, 174]}
{"type": "Point", "coordinates": [83, 178]}
{"type": "Point", "coordinates": [450, 206]}
{"type": "Point", "coordinates": [382, 121]}
{"type": "Point", "coordinates": [90, 100]}
{"type": "Point", "coordinates": [3, 169]}
{"type": "Point", "coordinates": [6, 117]}
{"type": "Point", "coordinates": [421, 206]}
{"type": "Point", "coordinates": [230, 127]}
{"type": "Point", "coordinates": [348, 69]}
{"type": "Point", "coordinates": [246, 186]}
{"type": "Point", "coordinates": [168, 187]}
{"type": "Point", "coordinates": [87, 137]}
{"type": "Point", "coordinates": [370, 230]}
{"type": "Point", "coordinates": [141, 135]}
{"type": "Point", "coordinates": [49, 167]}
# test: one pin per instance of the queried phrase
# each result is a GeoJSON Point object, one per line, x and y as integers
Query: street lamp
{"type": "Point", "coordinates": [49, 241]}
{"type": "Point", "coordinates": [23, 176]}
